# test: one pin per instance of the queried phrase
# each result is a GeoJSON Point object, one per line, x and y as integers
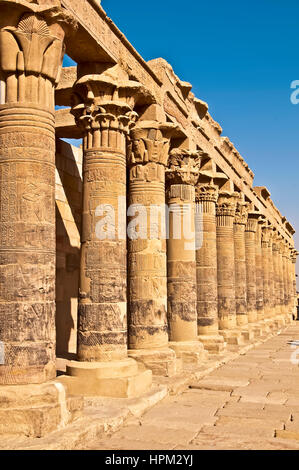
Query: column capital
{"type": "Point", "coordinates": [294, 255]}
{"type": "Point", "coordinates": [285, 248]}
{"type": "Point", "coordinates": [277, 238]}
{"type": "Point", "coordinates": [267, 235]}
{"type": "Point", "coordinates": [205, 192]}
{"type": "Point", "coordinates": [226, 204]}
{"type": "Point", "coordinates": [102, 103]}
{"type": "Point", "coordinates": [252, 222]}
{"type": "Point", "coordinates": [149, 143]}
{"type": "Point", "coordinates": [31, 51]}
{"type": "Point", "coordinates": [183, 167]}
{"type": "Point", "coordinates": [241, 216]}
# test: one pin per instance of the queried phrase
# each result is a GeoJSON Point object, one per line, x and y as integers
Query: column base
{"type": "Point", "coordinates": [269, 324]}
{"type": "Point", "coordinates": [257, 329]}
{"type": "Point", "coordinates": [214, 344]}
{"type": "Point", "coordinates": [247, 333]}
{"type": "Point", "coordinates": [162, 362]}
{"type": "Point", "coordinates": [280, 321]}
{"type": "Point", "coordinates": [191, 352]}
{"type": "Point", "coordinates": [233, 336]}
{"type": "Point", "coordinates": [117, 379]}
{"type": "Point", "coordinates": [35, 410]}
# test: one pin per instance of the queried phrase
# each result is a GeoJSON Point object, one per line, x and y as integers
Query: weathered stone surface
{"type": "Point", "coordinates": [181, 267]}
{"type": "Point", "coordinates": [217, 419]}
{"type": "Point", "coordinates": [30, 59]}
{"type": "Point", "coordinates": [117, 278]}
{"type": "Point", "coordinates": [240, 264]}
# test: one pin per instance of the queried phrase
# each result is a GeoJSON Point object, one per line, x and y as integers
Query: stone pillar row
{"type": "Point", "coordinates": [176, 292]}
{"type": "Point", "coordinates": [148, 294]}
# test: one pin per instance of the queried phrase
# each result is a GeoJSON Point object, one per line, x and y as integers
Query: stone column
{"type": "Point", "coordinates": [294, 291]}
{"type": "Point", "coordinates": [147, 276]}
{"type": "Point", "coordinates": [103, 108]}
{"type": "Point", "coordinates": [281, 279]}
{"type": "Point", "coordinates": [181, 176]}
{"type": "Point", "coordinates": [206, 271]}
{"type": "Point", "coordinates": [30, 60]}
{"type": "Point", "coordinates": [240, 223]}
{"type": "Point", "coordinates": [267, 270]}
{"type": "Point", "coordinates": [290, 280]}
{"type": "Point", "coordinates": [250, 244]}
{"type": "Point", "coordinates": [277, 280]}
{"type": "Point", "coordinates": [225, 212]}
{"type": "Point", "coordinates": [31, 51]}
{"type": "Point", "coordinates": [285, 279]}
{"type": "Point", "coordinates": [271, 277]}
{"type": "Point", "coordinates": [259, 272]}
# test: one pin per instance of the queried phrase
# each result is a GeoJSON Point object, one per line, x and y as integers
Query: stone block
{"type": "Point", "coordinates": [36, 410]}
{"type": "Point", "coordinates": [162, 362]}
{"type": "Point", "coordinates": [119, 379]}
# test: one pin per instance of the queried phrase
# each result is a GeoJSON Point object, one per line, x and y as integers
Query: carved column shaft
{"type": "Point", "coordinates": [181, 264]}
{"type": "Point", "coordinates": [259, 273]}
{"type": "Point", "coordinates": [285, 277]}
{"type": "Point", "coordinates": [250, 243]}
{"type": "Point", "coordinates": [206, 263]}
{"type": "Point", "coordinates": [147, 257]}
{"type": "Point", "coordinates": [240, 265]}
{"type": "Point", "coordinates": [290, 279]}
{"type": "Point", "coordinates": [281, 278]}
{"type": "Point", "coordinates": [276, 274]}
{"type": "Point", "coordinates": [30, 59]}
{"type": "Point", "coordinates": [294, 291]}
{"type": "Point", "coordinates": [272, 295]}
{"type": "Point", "coordinates": [103, 109]}
{"type": "Point", "coordinates": [267, 270]}
{"type": "Point", "coordinates": [226, 207]}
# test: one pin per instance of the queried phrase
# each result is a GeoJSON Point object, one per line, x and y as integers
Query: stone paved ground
{"type": "Point", "coordinates": [250, 403]}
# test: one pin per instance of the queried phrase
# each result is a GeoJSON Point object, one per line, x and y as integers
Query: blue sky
{"type": "Point", "coordinates": [241, 58]}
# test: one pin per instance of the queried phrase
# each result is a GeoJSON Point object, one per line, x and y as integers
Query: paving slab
{"type": "Point", "coordinates": [251, 402]}
{"type": "Point", "coordinates": [236, 402]}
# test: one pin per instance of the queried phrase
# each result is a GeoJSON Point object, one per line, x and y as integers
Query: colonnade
{"type": "Point", "coordinates": [152, 298]}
